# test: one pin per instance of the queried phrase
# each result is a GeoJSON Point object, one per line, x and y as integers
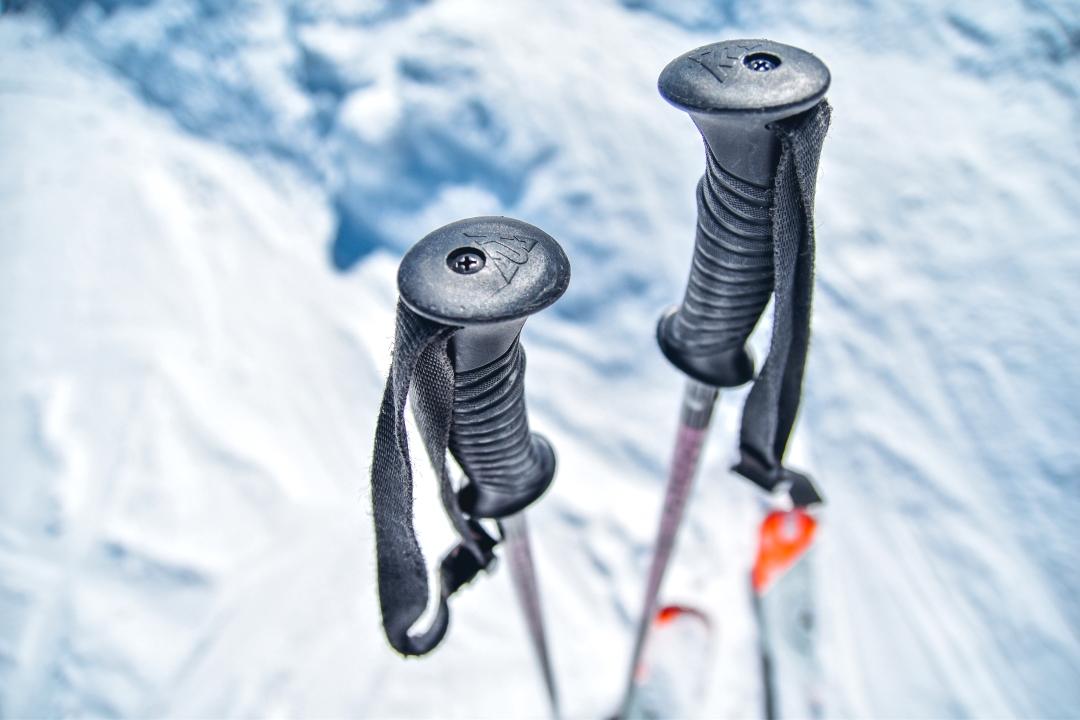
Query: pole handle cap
{"type": "Point", "coordinates": [482, 271]}
{"type": "Point", "coordinates": [745, 77]}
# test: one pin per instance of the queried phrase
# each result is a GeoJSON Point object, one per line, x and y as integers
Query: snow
{"type": "Point", "coordinates": [201, 211]}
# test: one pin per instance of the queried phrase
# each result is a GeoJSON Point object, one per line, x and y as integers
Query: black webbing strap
{"type": "Point", "coordinates": [420, 362]}
{"type": "Point", "coordinates": [773, 402]}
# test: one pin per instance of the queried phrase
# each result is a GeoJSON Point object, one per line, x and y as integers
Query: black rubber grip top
{"type": "Point", "coordinates": [487, 275]}
{"type": "Point", "coordinates": [733, 91]}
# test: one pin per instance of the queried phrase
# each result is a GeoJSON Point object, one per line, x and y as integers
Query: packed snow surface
{"type": "Point", "coordinates": [202, 206]}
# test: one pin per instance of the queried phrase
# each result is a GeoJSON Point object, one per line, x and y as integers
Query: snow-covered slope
{"type": "Point", "coordinates": [201, 209]}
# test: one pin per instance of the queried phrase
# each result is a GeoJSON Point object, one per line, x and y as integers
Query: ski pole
{"type": "Point", "coordinates": [466, 290]}
{"type": "Point", "coordinates": [737, 93]}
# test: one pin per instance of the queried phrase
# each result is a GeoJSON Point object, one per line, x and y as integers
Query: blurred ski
{"type": "Point", "coordinates": [669, 679]}
{"type": "Point", "coordinates": [784, 605]}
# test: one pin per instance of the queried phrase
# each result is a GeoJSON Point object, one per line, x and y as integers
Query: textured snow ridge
{"type": "Point", "coordinates": [202, 206]}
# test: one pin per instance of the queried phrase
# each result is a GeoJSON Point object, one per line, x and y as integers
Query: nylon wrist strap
{"type": "Point", "coordinates": [771, 406]}
{"type": "Point", "coordinates": [421, 364]}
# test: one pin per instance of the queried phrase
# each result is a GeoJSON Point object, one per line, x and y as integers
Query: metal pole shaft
{"type": "Point", "coordinates": [515, 534]}
{"type": "Point", "coordinates": [698, 402]}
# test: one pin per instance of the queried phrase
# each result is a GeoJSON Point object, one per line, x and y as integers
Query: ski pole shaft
{"type": "Point", "coordinates": [515, 534]}
{"type": "Point", "coordinates": [733, 91]}
{"type": "Point", "coordinates": [698, 403]}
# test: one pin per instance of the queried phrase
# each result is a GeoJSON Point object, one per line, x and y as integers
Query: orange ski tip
{"type": "Point", "coordinates": [785, 536]}
{"type": "Point", "coordinates": [670, 613]}
{"type": "Point", "coordinates": [666, 614]}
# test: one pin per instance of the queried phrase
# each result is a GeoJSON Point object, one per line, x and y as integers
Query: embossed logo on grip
{"type": "Point", "coordinates": [722, 62]}
{"type": "Point", "coordinates": [507, 251]}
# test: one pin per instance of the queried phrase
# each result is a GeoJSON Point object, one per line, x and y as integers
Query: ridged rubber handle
{"type": "Point", "coordinates": [733, 91]}
{"type": "Point", "coordinates": [731, 280]}
{"type": "Point", "coordinates": [508, 466]}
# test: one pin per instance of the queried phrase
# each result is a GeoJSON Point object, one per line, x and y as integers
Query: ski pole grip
{"type": "Point", "coordinates": [733, 91]}
{"type": "Point", "coordinates": [486, 276]}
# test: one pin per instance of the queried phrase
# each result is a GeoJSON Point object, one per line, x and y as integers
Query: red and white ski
{"type": "Point", "coordinates": [782, 584]}
{"type": "Point", "coordinates": [669, 679]}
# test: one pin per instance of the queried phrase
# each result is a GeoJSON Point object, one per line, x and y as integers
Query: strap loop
{"type": "Point", "coordinates": [420, 363]}
{"type": "Point", "coordinates": [771, 406]}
